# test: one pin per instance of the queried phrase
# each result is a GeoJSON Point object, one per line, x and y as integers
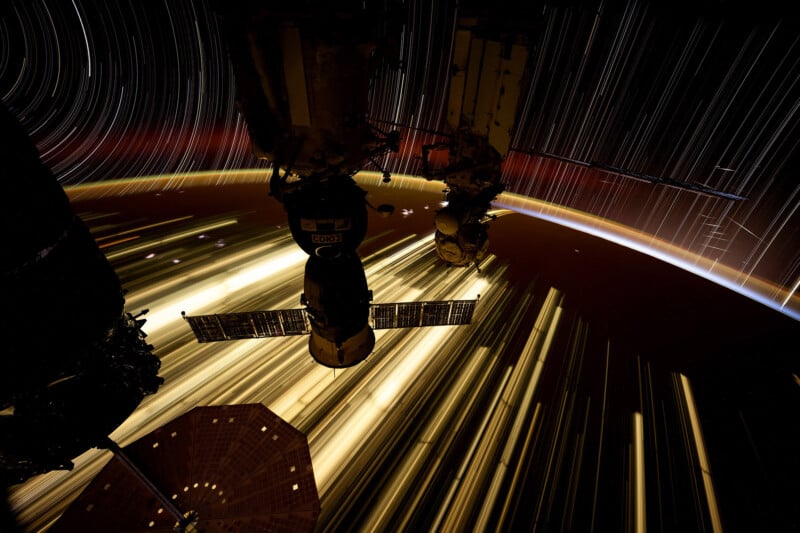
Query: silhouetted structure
{"type": "Point", "coordinates": [231, 468]}
{"type": "Point", "coordinates": [303, 75]}
{"type": "Point", "coordinates": [74, 364]}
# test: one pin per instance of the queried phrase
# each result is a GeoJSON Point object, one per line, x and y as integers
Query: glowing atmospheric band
{"type": "Point", "coordinates": [635, 240]}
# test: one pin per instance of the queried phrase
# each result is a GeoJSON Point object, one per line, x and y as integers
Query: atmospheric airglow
{"type": "Point", "coordinates": [781, 299]}
{"type": "Point", "coordinates": [786, 301]}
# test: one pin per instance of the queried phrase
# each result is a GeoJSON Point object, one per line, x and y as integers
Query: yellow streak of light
{"type": "Point", "coordinates": [303, 392]}
{"type": "Point", "coordinates": [120, 241]}
{"type": "Point", "coordinates": [205, 295]}
{"type": "Point", "coordinates": [396, 244]}
{"type": "Point", "coordinates": [418, 470]}
{"type": "Point", "coordinates": [159, 284]}
{"type": "Point", "coordinates": [373, 403]}
{"type": "Point", "coordinates": [451, 513]}
{"type": "Point", "coordinates": [534, 423]}
{"type": "Point", "coordinates": [172, 238]}
{"type": "Point", "coordinates": [429, 443]}
{"type": "Point", "coordinates": [639, 522]}
{"type": "Point", "coordinates": [519, 393]}
{"type": "Point", "coordinates": [716, 521]}
{"type": "Point", "coordinates": [515, 394]}
{"type": "Point", "coordinates": [150, 415]}
{"type": "Point", "coordinates": [405, 254]}
{"type": "Point", "coordinates": [140, 229]}
{"type": "Point", "coordinates": [353, 432]}
{"type": "Point", "coordinates": [527, 396]}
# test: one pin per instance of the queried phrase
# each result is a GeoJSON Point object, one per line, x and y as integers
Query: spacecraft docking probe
{"type": "Point", "coordinates": [328, 221]}
{"type": "Point", "coordinates": [303, 77]}
{"type": "Point", "coordinates": [489, 65]}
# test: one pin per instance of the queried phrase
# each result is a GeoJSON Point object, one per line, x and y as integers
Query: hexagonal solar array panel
{"type": "Point", "coordinates": [238, 467]}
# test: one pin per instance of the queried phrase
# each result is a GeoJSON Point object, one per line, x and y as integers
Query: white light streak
{"type": "Point", "coordinates": [85, 39]}
{"type": "Point", "coordinates": [207, 294]}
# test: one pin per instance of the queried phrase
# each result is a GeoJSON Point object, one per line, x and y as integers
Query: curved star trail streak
{"type": "Point", "coordinates": [122, 88]}
{"type": "Point", "coordinates": [111, 89]}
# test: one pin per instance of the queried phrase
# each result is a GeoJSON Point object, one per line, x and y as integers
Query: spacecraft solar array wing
{"type": "Point", "coordinates": [289, 322]}
{"type": "Point", "coordinates": [249, 325]}
{"type": "Point", "coordinates": [419, 314]}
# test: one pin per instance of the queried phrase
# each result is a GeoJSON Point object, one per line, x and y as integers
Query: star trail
{"type": "Point", "coordinates": [710, 95]}
{"type": "Point", "coordinates": [535, 416]}
{"type": "Point", "coordinates": [122, 89]}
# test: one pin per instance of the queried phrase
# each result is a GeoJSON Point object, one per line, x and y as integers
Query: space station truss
{"type": "Point", "coordinates": [290, 322]}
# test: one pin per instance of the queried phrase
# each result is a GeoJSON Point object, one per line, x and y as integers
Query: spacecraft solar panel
{"type": "Point", "coordinates": [409, 315]}
{"type": "Point", "coordinates": [419, 314]}
{"type": "Point", "coordinates": [383, 316]}
{"type": "Point", "coordinates": [461, 312]}
{"type": "Point", "coordinates": [436, 314]}
{"type": "Point", "coordinates": [248, 325]}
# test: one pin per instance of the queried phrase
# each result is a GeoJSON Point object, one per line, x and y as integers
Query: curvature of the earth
{"type": "Point", "coordinates": [630, 327]}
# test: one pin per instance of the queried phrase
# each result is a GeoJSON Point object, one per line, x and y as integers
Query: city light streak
{"type": "Point", "coordinates": [418, 472]}
{"type": "Point", "coordinates": [455, 510]}
{"type": "Point", "coordinates": [638, 482]}
{"type": "Point", "coordinates": [518, 397]}
{"type": "Point", "coordinates": [702, 457]}
{"type": "Point", "coordinates": [151, 244]}
{"type": "Point", "coordinates": [602, 429]}
{"type": "Point", "coordinates": [204, 295]}
{"type": "Point", "coordinates": [142, 228]}
{"type": "Point", "coordinates": [427, 447]}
